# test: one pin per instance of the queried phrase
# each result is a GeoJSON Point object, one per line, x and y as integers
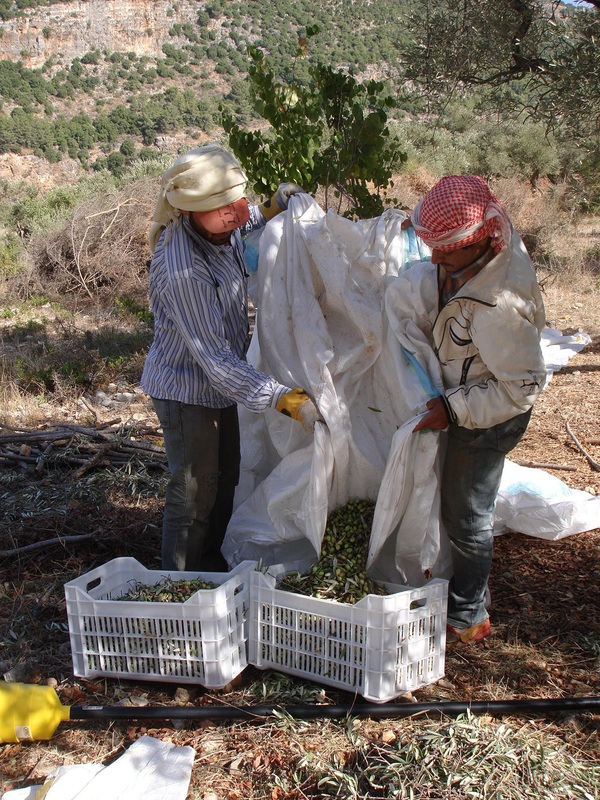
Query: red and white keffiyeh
{"type": "Point", "coordinates": [458, 211]}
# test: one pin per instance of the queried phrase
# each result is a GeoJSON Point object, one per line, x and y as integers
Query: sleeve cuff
{"type": "Point", "coordinates": [448, 408]}
{"type": "Point", "coordinates": [278, 394]}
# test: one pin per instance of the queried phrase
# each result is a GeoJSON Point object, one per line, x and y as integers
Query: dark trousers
{"type": "Point", "coordinates": [203, 453]}
{"type": "Point", "coordinates": [470, 481]}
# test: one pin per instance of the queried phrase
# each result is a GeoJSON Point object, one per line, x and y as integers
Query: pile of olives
{"type": "Point", "coordinates": [340, 573]}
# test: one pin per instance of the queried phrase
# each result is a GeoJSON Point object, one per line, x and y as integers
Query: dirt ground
{"type": "Point", "coordinates": [545, 603]}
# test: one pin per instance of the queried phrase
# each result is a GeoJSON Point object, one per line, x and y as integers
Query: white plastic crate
{"type": "Point", "coordinates": [381, 647]}
{"type": "Point", "coordinates": [200, 641]}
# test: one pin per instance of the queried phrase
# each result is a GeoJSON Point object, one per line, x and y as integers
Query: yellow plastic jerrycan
{"type": "Point", "coordinates": [29, 712]}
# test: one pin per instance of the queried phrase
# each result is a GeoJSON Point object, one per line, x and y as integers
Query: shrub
{"type": "Point", "coordinates": [11, 256]}
{"type": "Point", "coordinates": [100, 251]}
{"type": "Point", "coordinates": [127, 148]}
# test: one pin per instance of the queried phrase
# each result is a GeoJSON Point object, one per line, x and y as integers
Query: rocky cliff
{"type": "Point", "coordinates": [68, 30]}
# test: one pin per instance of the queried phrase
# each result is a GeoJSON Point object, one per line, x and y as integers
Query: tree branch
{"type": "Point", "coordinates": [593, 464]}
{"type": "Point", "coordinates": [27, 548]}
{"type": "Point", "coordinates": [542, 465]}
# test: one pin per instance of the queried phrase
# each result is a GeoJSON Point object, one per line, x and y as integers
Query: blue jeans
{"type": "Point", "coordinates": [203, 452]}
{"type": "Point", "coordinates": [470, 482]}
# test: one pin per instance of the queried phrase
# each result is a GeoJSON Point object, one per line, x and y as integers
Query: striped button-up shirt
{"type": "Point", "coordinates": [199, 298]}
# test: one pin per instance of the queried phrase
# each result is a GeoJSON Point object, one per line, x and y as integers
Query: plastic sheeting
{"type": "Point", "coordinates": [558, 349]}
{"type": "Point", "coordinates": [533, 502]}
{"type": "Point", "coordinates": [149, 770]}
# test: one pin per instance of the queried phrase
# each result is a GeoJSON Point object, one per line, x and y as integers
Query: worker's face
{"type": "Point", "coordinates": [458, 259]}
{"type": "Point", "coordinates": [214, 238]}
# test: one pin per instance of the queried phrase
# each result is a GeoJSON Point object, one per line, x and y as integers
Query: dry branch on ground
{"type": "Point", "coordinates": [68, 446]}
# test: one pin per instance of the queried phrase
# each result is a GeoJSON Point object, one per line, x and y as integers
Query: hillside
{"type": "Point", "coordinates": [67, 30]}
{"type": "Point", "coordinates": [76, 78]}
{"type": "Point", "coordinates": [79, 77]}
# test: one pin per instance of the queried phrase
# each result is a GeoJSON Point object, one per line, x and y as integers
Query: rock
{"type": "Point", "coordinates": [181, 696]}
{"type": "Point", "coordinates": [78, 27]}
{"type": "Point", "coordinates": [37, 170]}
{"type": "Point", "coordinates": [134, 700]}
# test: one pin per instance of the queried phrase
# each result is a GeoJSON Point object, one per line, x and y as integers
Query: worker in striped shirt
{"type": "Point", "coordinates": [195, 371]}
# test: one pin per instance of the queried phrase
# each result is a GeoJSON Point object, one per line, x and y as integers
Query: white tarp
{"type": "Point", "coordinates": [331, 321]}
{"type": "Point", "coordinates": [558, 349]}
{"type": "Point", "coordinates": [150, 769]}
{"type": "Point", "coordinates": [539, 504]}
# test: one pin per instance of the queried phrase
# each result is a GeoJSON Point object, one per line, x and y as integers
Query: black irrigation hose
{"type": "Point", "coordinates": [374, 710]}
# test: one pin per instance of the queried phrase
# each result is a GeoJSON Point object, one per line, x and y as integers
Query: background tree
{"type": "Point", "coordinates": [531, 56]}
{"type": "Point", "coordinates": [329, 132]}
{"type": "Point", "coordinates": [530, 59]}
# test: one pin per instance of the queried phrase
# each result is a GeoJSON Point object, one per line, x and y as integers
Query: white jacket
{"type": "Point", "coordinates": [486, 338]}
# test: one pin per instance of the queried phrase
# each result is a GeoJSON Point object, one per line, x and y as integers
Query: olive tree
{"type": "Point", "coordinates": [539, 57]}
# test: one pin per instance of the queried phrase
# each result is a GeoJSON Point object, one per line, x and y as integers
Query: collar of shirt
{"type": "Point", "coordinates": [451, 282]}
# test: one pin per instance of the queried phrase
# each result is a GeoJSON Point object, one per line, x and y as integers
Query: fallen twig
{"type": "Point", "coordinates": [41, 462]}
{"type": "Point", "coordinates": [17, 457]}
{"type": "Point", "coordinates": [593, 464]}
{"type": "Point", "coordinates": [541, 465]}
{"type": "Point", "coordinates": [34, 436]}
{"type": "Point", "coordinates": [131, 445]}
{"type": "Point", "coordinates": [27, 548]}
{"type": "Point", "coordinates": [95, 459]}
{"type": "Point", "coordinates": [89, 407]}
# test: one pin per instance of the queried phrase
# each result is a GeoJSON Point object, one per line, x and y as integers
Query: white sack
{"type": "Point", "coordinates": [332, 319]}
{"type": "Point", "coordinates": [406, 526]}
{"type": "Point", "coordinates": [405, 537]}
{"type": "Point", "coordinates": [321, 325]}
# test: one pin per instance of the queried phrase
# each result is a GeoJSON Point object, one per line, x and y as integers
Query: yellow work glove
{"type": "Point", "coordinates": [298, 405]}
{"type": "Point", "coordinates": [279, 201]}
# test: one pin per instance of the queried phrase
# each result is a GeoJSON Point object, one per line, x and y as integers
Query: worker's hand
{"type": "Point", "coordinates": [437, 417]}
{"type": "Point", "coordinates": [281, 198]}
{"type": "Point", "coordinates": [284, 192]}
{"type": "Point", "coordinates": [298, 405]}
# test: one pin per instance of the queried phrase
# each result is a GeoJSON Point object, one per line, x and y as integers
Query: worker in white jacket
{"type": "Point", "coordinates": [486, 318]}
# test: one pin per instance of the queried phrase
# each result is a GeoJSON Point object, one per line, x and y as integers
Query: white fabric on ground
{"type": "Point", "coordinates": [149, 770]}
{"type": "Point", "coordinates": [539, 504]}
{"type": "Point", "coordinates": [559, 349]}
